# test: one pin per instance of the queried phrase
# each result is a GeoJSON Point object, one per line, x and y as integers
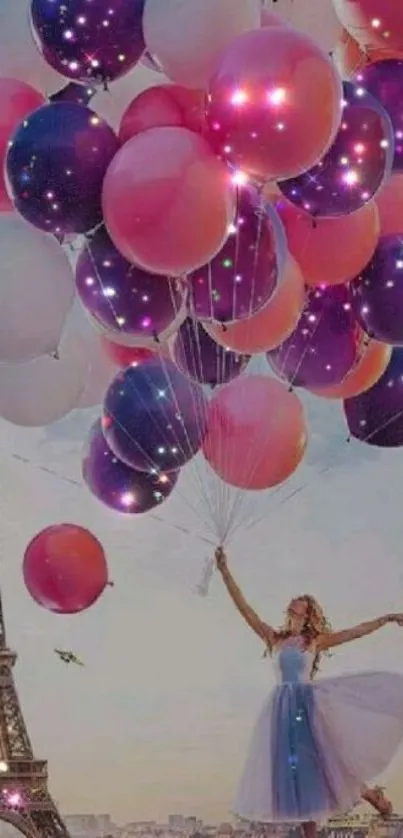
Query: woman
{"type": "Point", "coordinates": [315, 746]}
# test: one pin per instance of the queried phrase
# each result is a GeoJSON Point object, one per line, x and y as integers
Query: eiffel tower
{"type": "Point", "coordinates": [25, 801]}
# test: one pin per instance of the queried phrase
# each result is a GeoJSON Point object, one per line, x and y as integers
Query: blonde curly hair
{"type": "Point", "coordinates": [315, 623]}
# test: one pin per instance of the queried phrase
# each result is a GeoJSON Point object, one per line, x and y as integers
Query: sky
{"type": "Point", "coordinates": [160, 717]}
{"type": "Point", "coordinates": [158, 721]}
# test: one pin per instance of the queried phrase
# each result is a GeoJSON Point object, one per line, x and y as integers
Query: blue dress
{"type": "Point", "coordinates": [316, 744]}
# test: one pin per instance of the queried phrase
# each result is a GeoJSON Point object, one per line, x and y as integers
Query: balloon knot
{"type": "Point", "coordinates": [156, 337]}
{"type": "Point", "coordinates": [110, 584]}
{"type": "Point", "coordinates": [55, 355]}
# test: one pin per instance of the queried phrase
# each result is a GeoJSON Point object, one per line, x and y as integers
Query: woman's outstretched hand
{"type": "Point", "coordinates": [396, 618]}
{"type": "Point", "coordinates": [220, 558]}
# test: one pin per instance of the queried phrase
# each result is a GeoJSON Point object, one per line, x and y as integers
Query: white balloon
{"type": "Point", "coordinates": [187, 36]}
{"type": "Point", "coordinates": [101, 370]}
{"type": "Point", "coordinates": [42, 391]}
{"type": "Point", "coordinates": [19, 57]}
{"type": "Point", "coordinates": [316, 18]}
{"type": "Point", "coordinates": [36, 291]}
{"type": "Point", "coordinates": [111, 104]}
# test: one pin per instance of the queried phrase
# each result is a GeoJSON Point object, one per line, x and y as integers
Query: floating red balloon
{"type": "Point", "coordinates": [18, 100]}
{"type": "Point", "coordinates": [65, 569]}
{"type": "Point", "coordinates": [274, 103]}
{"type": "Point", "coordinates": [168, 201]}
{"type": "Point", "coordinates": [125, 356]}
{"type": "Point", "coordinates": [256, 434]}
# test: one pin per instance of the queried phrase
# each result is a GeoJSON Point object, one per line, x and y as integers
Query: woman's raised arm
{"type": "Point", "coordinates": [337, 638]}
{"type": "Point", "coordinates": [262, 629]}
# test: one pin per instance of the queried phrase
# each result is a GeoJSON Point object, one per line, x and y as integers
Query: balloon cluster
{"type": "Point", "coordinates": [244, 205]}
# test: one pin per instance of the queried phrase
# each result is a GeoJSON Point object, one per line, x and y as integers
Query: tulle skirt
{"type": "Point", "coordinates": [315, 745]}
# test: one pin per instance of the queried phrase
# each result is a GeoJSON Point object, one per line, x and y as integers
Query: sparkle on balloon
{"type": "Point", "coordinates": [85, 40]}
{"type": "Point", "coordinates": [356, 165]}
{"type": "Point", "coordinates": [122, 297]}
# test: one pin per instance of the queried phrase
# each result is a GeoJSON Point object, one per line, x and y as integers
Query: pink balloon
{"type": "Point", "coordinates": [274, 103]}
{"type": "Point", "coordinates": [65, 569]}
{"type": "Point", "coordinates": [269, 19]}
{"type": "Point", "coordinates": [373, 23]}
{"type": "Point", "coordinates": [168, 201]}
{"type": "Point", "coordinates": [17, 101]}
{"type": "Point", "coordinates": [256, 434]}
{"type": "Point", "coordinates": [162, 106]}
{"type": "Point", "coordinates": [389, 201]}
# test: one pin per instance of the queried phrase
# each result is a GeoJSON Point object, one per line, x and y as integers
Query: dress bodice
{"type": "Point", "coordinates": [293, 664]}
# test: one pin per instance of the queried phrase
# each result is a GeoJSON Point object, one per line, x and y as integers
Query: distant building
{"type": "Point", "coordinates": [90, 826]}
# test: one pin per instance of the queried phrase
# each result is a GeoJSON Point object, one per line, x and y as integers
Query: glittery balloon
{"type": "Point", "coordinates": [243, 276]}
{"type": "Point", "coordinates": [56, 165]}
{"type": "Point", "coordinates": [376, 416]}
{"type": "Point", "coordinates": [154, 417]}
{"type": "Point", "coordinates": [82, 39]}
{"type": "Point", "coordinates": [79, 94]}
{"type": "Point", "coordinates": [123, 297]}
{"type": "Point", "coordinates": [356, 165]}
{"type": "Point", "coordinates": [274, 103]}
{"type": "Point", "coordinates": [65, 569]}
{"type": "Point", "coordinates": [384, 80]}
{"type": "Point", "coordinates": [199, 357]}
{"type": "Point", "coordinates": [125, 356]}
{"type": "Point", "coordinates": [117, 485]}
{"type": "Point", "coordinates": [324, 347]}
{"type": "Point", "coordinates": [377, 293]}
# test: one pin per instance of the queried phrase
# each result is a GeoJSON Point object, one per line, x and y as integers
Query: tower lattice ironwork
{"type": "Point", "coordinates": [25, 801]}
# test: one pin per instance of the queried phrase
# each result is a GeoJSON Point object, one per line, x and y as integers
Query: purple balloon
{"type": "Point", "coordinates": [376, 416]}
{"type": "Point", "coordinates": [384, 80]}
{"type": "Point", "coordinates": [79, 94]}
{"type": "Point", "coordinates": [56, 165]}
{"type": "Point", "coordinates": [243, 276]}
{"type": "Point", "coordinates": [356, 165]}
{"type": "Point", "coordinates": [86, 40]}
{"type": "Point", "coordinates": [377, 293]}
{"type": "Point", "coordinates": [324, 347]}
{"type": "Point", "coordinates": [122, 297]}
{"type": "Point", "coordinates": [200, 358]}
{"type": "Point", "coordinates": [154, 417]}
{"type": "Point", "coordinates": [117, 485]}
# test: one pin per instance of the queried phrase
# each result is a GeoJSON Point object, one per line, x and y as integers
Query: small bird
{"type": "Point", "coordinates": [68, 657]}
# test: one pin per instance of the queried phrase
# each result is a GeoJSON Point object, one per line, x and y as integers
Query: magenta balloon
{"type": "Point", "coordinates": [377, 293]}
{"type": "Point", "coordinates": [376, 416]}
{"type": "Point", "coordinates": [356, 166]}
{"type": "Point", "coordinates": [199, 357]}
{"type": "Point", "coordinates": [123, 297]}
{"type": "Point", "coordinates": [324, 347]}
{"type": "Point", "coordinates": [117, 485]}
{"type": "Point", "coordinates": [245, 273]}
{"type": "Point", "coordinates": [384, 81]}
{"type": "Point", "coordinates": [84, 41]}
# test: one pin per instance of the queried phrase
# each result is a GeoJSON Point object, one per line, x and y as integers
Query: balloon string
{"type": "Point", "coordinates": [78, 484]}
